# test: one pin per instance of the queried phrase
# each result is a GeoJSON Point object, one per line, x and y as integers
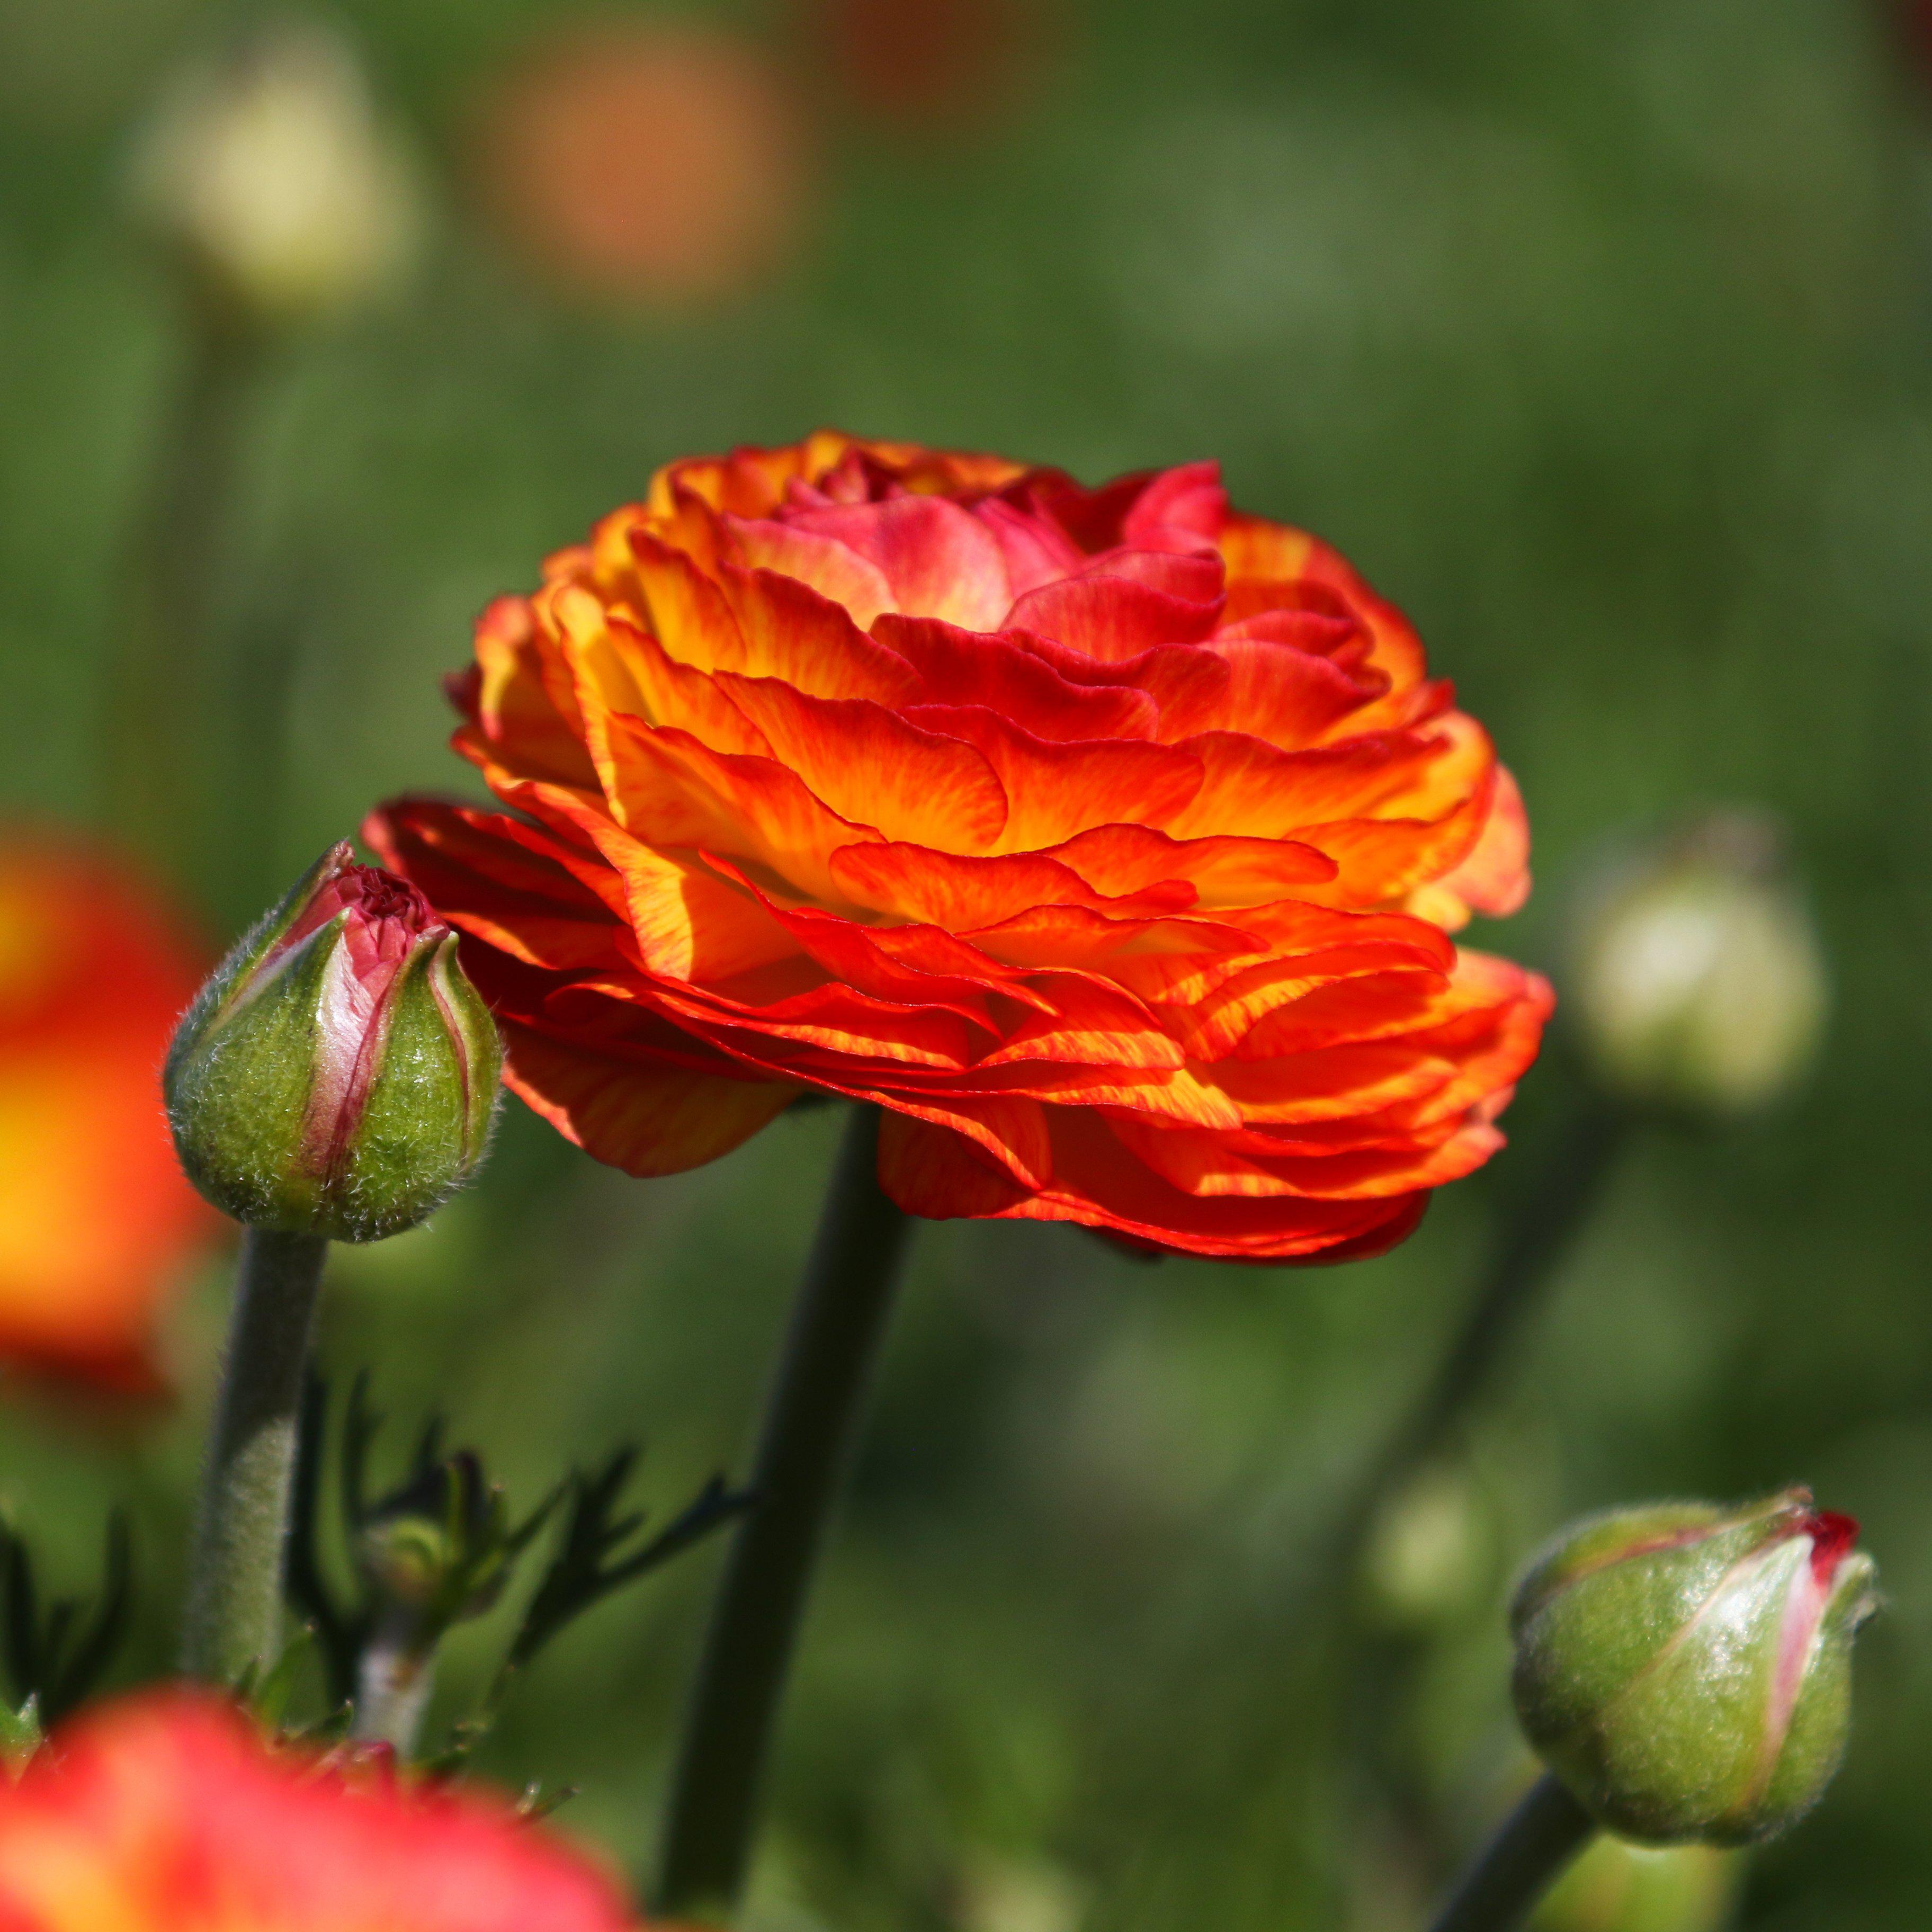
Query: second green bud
{"type": "Point", "coordinates": [1685, 1669]}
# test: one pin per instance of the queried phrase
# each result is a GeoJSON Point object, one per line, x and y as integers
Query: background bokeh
{"type": "Point", "coordinates": [1598, 333]}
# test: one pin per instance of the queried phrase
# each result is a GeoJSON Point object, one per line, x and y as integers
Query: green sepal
{"type": "Point", "coordinates": [20, 1734]}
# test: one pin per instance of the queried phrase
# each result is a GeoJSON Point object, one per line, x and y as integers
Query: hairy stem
{"type": "Point", "coordinates": [810, 1421]}
{"type": "Point", "coordinates": [234, 1573]}
{"type": "Point", "coordinates": [1527, 1855]}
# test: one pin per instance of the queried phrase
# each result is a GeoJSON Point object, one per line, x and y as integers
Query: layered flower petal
{"type": "Point", "coordinates": [1109, 839]}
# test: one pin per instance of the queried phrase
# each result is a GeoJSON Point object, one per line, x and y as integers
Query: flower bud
{"type": "Point", "coordinates": [270, 174]}
{"type": "Point", "coordinates": [1686, 1669]}
{"type": "Point", "coordinates": [438, 1549]}
{"type": "Point", "coordinates": [1428, 1552]}
{"type": "Point", "coordinates": [1697, 982]}
{"type": "Point", "coordinates": [338, 1074]}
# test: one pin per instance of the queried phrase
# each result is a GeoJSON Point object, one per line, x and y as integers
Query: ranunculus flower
{"type": "Point", "coordinates": [96, 1221]}
{"type": "Point", "coordinates": [1109, 839]}
{"type": "Point", "coordinates": [664, 161]}
{"type": "Point", "coordinates": [169, 1812]}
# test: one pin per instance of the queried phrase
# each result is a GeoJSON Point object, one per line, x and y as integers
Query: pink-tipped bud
{"type": "Point", "coordinates": [338, 1074]}
{"type": "Point", "coordinates": [1686, 1669]}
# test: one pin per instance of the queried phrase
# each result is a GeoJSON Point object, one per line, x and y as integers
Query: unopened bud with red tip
{"type": "Point", "coordinates": [1697, 984]}
{"type": "Point", "coordinates": [338, 1074]}
{"type": "Point", "coordinates": [1685, 1669]}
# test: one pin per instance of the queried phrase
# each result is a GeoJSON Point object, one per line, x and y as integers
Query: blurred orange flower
{"type": "Point", "coordinates": [169, 1812]}
{"type": "Point", "coordinates": [96, 1221]}
{"type": "Point", "coordinates": [1109, 839]}
{"type": "Point", "coordinates": [666, 162]}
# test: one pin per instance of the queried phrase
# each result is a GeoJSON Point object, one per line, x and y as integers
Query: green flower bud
{"type": "Point", "coordinates": [1696, 981]}
{"type": "Point", "coordinates": [1686, 1669]}
{"type": "Point", "coordinates": [338, 1074]}
{"type": "Point", "coordinates": [438, 1550]}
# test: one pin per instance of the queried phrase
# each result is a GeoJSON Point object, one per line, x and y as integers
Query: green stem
{"type": "Point", "coordinates": [1526, 1856]}
{"type": "Point", "coordinates": [235, 1574]}
{"type": "Point", "coordinates": [155, 745]}
{"type": "Point", "coordinates": [1557, 1200]}
{"type": "Point", "coordinates": [810, 1421]}
{"type": "Point", "coordinates": [395, 1677]}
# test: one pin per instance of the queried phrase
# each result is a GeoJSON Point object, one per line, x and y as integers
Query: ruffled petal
{"type": "Point", "coordinates": [646, 1119]}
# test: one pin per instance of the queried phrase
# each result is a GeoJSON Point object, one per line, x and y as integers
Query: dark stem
{"type": "Point", "coordinates": [155, 747]}
{"type": "Point", "coordinates": [1527, 1855]}
{"type": "Point", "coordinates": [234, 1572]}
{"type": "Point", "coordinates": [1554, 1207]}
{"type": "Point", "coordinates": [810, 1421]}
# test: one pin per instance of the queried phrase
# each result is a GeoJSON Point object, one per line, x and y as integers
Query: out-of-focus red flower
{"type": "Point", "coordinates": [664, 162]}
{"type": "Point", "coordinates": [96, 1221]}
{"type": "Point", "coordinates": [951, 58]}
{"type": "Point", "coordinates": [169, 1812]}
{"type": "Point", "coordinates": [1110, 839]}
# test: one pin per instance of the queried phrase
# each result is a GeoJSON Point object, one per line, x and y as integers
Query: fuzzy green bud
{"type": "Point", "coordinates": [338, 1074]}
{"type": "Point", "coordinates": [1697, 985]}
{"type": "Point", "coordinates": [1685, 1669]}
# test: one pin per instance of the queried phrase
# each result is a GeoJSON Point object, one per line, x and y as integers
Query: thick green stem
{"type": "Point", "coordinates": [809, 1424]}
{"type": "Point", "coordinates": [1555, 1205]}
{"type": "Point", "coordinates": [235, 1574]}
{"type": "Point", "coordinates": [1527, 1855]}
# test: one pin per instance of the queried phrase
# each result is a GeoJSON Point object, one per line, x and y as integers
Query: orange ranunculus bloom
{"type": "Point", "coordinates": [169, 1812]}
{"type": "Point", "coordinates": [96, 1221]}
{"type": "Point", "coordinates": [1109, 839]}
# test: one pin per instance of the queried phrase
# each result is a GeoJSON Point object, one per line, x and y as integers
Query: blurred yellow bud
{"type": "Point", "coordinates": [269, 172]}
{"type": "Point", "coordinates": [1616, 1887]}
{"type": "Point", "coordinates": [1697, 982]}
{"type": "Point", "coordinates": [1004, 1894]}
{"type": "Point", "coordinates": [1429, 1551]}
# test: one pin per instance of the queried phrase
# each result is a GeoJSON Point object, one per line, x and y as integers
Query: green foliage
{"type": "Point", "coordinates": [57, 1652]}
{"type": "Point", "coordinates": [440, 1547]}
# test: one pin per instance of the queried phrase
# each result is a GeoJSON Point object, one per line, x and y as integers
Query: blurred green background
{"type": "Point", "coordinates": [1599, 334]}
